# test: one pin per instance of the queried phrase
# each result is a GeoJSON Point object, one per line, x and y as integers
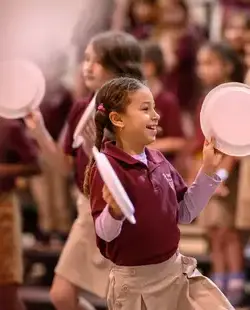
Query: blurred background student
{"type": "Point", "coordinates": [216, 64]}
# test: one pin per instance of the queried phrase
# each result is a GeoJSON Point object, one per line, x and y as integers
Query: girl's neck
{"type": "Point", "coordinates": [155, 85]}
{"type": "Point", "coordinates": [130, 148]}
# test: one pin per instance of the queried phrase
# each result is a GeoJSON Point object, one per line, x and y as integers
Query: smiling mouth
{"type": "Point", "coordinates": [89, 77]}
{"type": "Point", "coordinates": [152, 127]}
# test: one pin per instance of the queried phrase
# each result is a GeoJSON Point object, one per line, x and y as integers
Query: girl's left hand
{"type": "Point", "coordinates": [89, 135]}
{"type": "Point", "coordinates": [211, 157]}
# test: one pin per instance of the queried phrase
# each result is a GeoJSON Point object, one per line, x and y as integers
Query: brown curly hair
{"type": "Point", "coordinates": [113, 96]}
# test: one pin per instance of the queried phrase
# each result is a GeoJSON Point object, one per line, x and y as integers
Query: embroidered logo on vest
{"type": "Point", "coordinates": [169, 179]}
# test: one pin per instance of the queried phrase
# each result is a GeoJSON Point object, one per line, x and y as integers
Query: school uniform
{"type": "Point", "coordinates": [167, 106]}
{"type": "Point", "coordinates": [81, 262]}
{"type": "Point", "coordinates": [170, 123]}
{"type": "Point", "coordinates": [149, 272]}
{"type": "Point", "coordinates": [15, 148]}
{"type": "Point", "coordinates": [182, 80]}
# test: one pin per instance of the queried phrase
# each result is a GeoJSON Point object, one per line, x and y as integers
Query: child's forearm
{"type": "Point", "coordinates": [53, 154]}
{"type": "Point", "coordinates": [120, 14]}
{"type": "Point", "coordinates": [107, 228]}
{"type": "Point", "coordinates": [15, 170]}
{"type": "Point", "coordinates": [197, 197]}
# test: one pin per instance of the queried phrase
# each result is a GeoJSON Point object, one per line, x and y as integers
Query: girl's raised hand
{"type": "Point", "coordinates": [211, 157]}
{"type": "Point", "coordinates": [34, 122]}
{"type": "Point", "coordinates": [89, 136]}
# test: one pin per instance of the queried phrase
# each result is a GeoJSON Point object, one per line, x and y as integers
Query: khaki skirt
{"type": "Point", "coordinates": [11, 264]}
{"type": "Point", "coordinates": [172, 285]}
{"type": "Point", "coordinates": [81, 262]}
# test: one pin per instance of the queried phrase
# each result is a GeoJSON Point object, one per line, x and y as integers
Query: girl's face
{"type": "Point", "coordinates": [234, 32]}
{"type": "Point", "coordinates": [94, 74]}
{"type": "Point", "coordinates": [211, 69]}
{"type": "Point", "coordinates": [143, 12]}
{"type": "Point", "coordinates": [172, 14]}
{"type": "Point", "coordinates": [137, 127]}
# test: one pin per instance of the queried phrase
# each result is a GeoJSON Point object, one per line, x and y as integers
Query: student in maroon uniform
{"type": "Point", "coordinates": [218, 63]}
{"type": "Point", "coordinates": [170, 136]}
{"type": "Point", "coordinates": [50, 189]}
{"type": "Point", "coordinates": [17, 158]}
{"type": "Point", "coordinates": [148, 272]}
{"type": "Point", "coordinates": [108, 55]}
{"type": "Point", "coordinates": [179, 42]}
{"type": "Point", "coordinates": [143, 14]}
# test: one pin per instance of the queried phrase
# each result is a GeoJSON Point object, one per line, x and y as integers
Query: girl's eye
{"type": "Point", "coordinates": [86, 58]}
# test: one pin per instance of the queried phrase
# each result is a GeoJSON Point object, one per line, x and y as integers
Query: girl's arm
{"type": "Point", "coordinates": [106, 213]}
{"type": "Point", "coordinates": [52, 152]}
{"type": "Point", "coordinates": [120, 14]}
{"type": "Point", "coordinates": [193, 200]}
{"type": "Point", "coordinates": [15, 170]}
{"type": "Point", "coordinates": [197, 197]}
{"type": "Point", "coordinates": [107, 227]}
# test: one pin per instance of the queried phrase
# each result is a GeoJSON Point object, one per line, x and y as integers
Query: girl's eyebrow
{"type": "Point", "coordinates": [149, 102]}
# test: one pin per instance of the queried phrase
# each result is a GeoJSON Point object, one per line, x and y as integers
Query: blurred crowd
{"type": "Point", "coordinates": [182, 62]}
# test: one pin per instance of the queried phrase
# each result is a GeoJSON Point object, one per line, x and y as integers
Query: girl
{"type": "Point", "coordinates": [142, 18]}
{"type": "Point", "coordinates": [108, 54]}
{"type": "Point", "coordinates": [216, 64]}
{"type": "Point", "coordinates": [148, 272]}
{"type": "Point", "coordinates": [50, 189]}
{"type": "Point", "coordinates": [179, 45]}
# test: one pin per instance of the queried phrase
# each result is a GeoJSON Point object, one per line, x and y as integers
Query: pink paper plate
{"type": "Point", "coordinates": [22, 87]}
{"type": "Point", "coordinates": [225, 115]}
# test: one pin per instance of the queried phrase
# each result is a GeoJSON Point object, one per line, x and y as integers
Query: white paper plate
{"type": "Point", "coordinates": [114, 185]}
{"type": "Point", "coordinates": [88, 113]}
{"type": "Point", "coordinates": [22, 87]}
{"type": "Point", "coordinates": [225, 116]}
{"type": "Point", "coordinates": [15, 114]}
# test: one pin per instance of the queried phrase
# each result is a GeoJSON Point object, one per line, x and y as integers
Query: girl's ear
{"type": "Point", "coordinates": [116, 119]}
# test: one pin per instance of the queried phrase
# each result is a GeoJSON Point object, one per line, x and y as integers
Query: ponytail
{"type": "Point", "coordinates": [101, 120]}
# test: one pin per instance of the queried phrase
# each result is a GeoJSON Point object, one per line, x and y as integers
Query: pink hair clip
{"type": "Point", "coordinates": [101, 108]}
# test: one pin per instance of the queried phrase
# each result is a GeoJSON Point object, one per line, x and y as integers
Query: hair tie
{"type": "Point", "coordinates": [101, 108]}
